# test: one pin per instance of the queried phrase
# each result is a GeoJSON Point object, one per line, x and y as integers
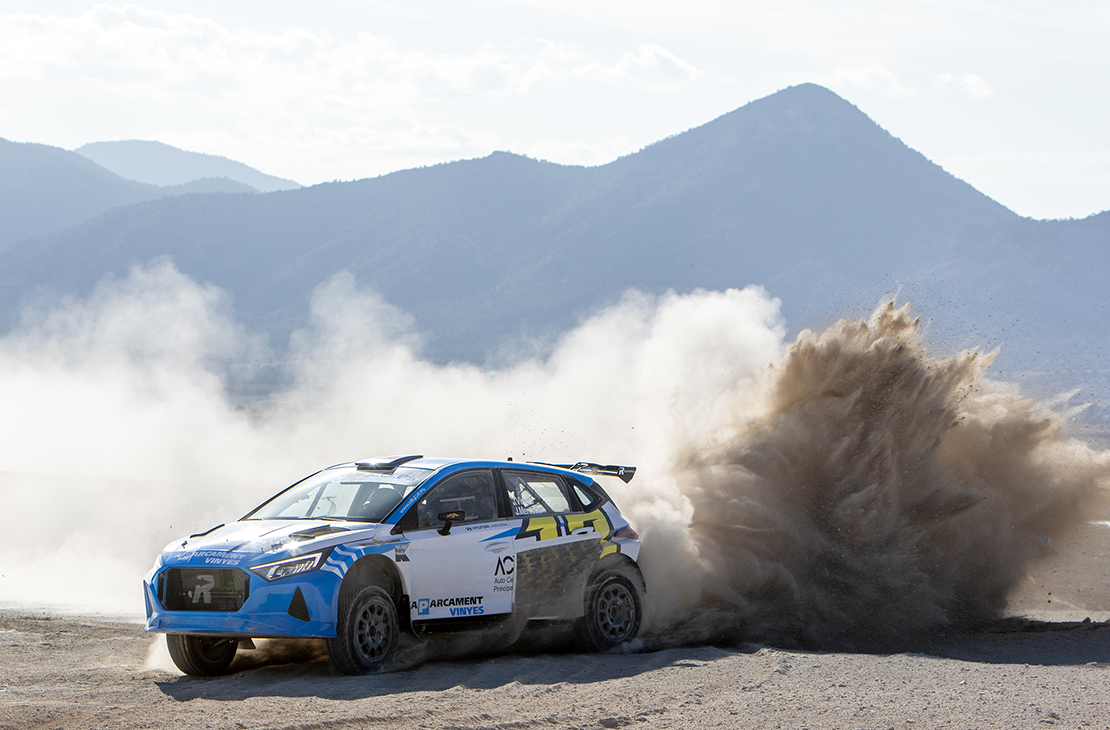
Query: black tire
{"type": "Point", "coordinates": [366, 632]}
{"type": "Point", "coordinates": [201, 656]}
{"type": "Point", "coordinates": [613, 611]}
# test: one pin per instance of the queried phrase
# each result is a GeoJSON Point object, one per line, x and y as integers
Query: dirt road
{"type": "Point", "coordinates": [82, 673]}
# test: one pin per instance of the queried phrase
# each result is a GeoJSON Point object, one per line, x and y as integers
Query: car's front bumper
{"type": "Point", "coordinates": [270, 609]}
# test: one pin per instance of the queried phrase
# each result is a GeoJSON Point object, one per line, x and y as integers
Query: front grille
{"type": "Point", "coordinates": [203, 589]}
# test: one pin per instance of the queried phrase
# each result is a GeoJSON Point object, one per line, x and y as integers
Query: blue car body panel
{"type": "Point", "coordinates": [266, 609]}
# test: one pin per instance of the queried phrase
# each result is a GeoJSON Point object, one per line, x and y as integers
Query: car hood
{"type": "Point", "coordinates": [246, 541]}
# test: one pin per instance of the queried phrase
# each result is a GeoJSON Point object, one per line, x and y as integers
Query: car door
{"type": "Point", "coordinates": [461, 574]}
{"type": "Point", "coordinates": [557, 545]}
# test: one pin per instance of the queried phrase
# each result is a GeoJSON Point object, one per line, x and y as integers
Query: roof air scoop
{"type": "Point", "coordinates": [386, 463]}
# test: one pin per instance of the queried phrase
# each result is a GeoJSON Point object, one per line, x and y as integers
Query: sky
{"type": "Point", "coordinates": [1010, 96]}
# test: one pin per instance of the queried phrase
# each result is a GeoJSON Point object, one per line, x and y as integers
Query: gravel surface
{"type": "Point", "coordinates": [76, 672]}
{"type": "Point", "coordinates": [1051, 668]}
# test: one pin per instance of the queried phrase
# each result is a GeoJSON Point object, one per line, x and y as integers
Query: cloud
{"type": "Point", "coordinates": [975, 86]}
{"type": "Point", "coordinates": [869, 79]}
{"type": "Point", "coordinates": [304, 103]}
{"type": "Point", "coordinates": [177, 57]}
{"type": "Point", "coordinates": [652, 67]}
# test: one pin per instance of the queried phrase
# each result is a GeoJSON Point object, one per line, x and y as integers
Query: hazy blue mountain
{"type": "Point", "coordinates": [799, 191]}
{"type": "Point", "coordinates": [160, 164]}
{"type": "Point", "coordinates": [46, 189]}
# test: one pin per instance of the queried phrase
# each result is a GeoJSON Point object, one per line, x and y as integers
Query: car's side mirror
{"type": "Point", "coordinates": [448, 517]}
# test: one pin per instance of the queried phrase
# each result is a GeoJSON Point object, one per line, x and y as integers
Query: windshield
{"type": "Point", "coordinates": [343, 493]}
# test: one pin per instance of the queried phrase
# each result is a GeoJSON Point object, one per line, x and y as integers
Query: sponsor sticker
{"type": "Point", "coordinates": [218, 557]}
{"type": "Point", "coordinates": [462, 606]}
{"type": "Point", "coordinates": [486, 526]}
{"type": "Point", "coordinates": [221, 561]}
{"type": "Point", "coordinates": [503, 574]}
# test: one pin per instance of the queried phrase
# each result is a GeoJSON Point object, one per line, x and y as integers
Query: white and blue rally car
{"type": "Point", "coordinates": [360, 552]}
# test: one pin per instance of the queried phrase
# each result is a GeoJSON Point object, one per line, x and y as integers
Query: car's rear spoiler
{"type": "Point", "coordinates": [624, 473]}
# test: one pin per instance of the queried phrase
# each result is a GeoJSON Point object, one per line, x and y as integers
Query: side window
{"type": "Point", "coordinates": [536, 494]}
{"type": "Point", "coordinates": [588, 499]}
{"type": "Point", "coordinates": [471, 493]}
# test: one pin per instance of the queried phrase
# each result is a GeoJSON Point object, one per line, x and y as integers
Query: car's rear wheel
{"type": "Point", "coordinates": [366, 632]}
{"type": "Point", "coordinates": [613, 611]}
{"type": "Point", "coordinates": [201, 656]}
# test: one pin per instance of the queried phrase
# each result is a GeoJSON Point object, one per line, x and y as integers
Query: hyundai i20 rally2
{"type": "Point", "coordinates": [361, 552]}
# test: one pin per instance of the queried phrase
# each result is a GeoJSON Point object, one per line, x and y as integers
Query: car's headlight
{"type": "Point", "coordinates": [290, 566]}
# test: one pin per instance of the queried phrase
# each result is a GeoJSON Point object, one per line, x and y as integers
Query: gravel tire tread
{"type": "Point", "coordinates": [341, 650]}
{"type": "Point", "coordinates": [590, 633]}
{"type": "Point", "coordinates": [187, 654]}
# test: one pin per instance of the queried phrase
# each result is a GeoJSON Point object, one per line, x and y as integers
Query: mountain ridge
{"type": "Point", "coordinates": [46, 189]}
{"type": "Point", "coordinates": [157, 163]}
{"type": "Point", "coordinates": [800, 192]}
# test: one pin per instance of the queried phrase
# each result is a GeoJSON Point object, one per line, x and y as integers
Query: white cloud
{"type": "Point", "coordinates": [301, 103]}
{"type": "Point", "coordinates": [283, 86]}
{"type": "Point", "coordinates": [975, 86]}
{"type": "Point", "coordinates": [177, 57]}
{"type": "Point", "coordinates": [652, 67]}
{"type": "Point", "coordinates": [869, 79]}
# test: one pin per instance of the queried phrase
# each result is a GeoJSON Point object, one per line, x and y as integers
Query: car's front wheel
{"type": "Point", "coordinates": [201, 656]}
{"type": "Point", "coordinates": [613, 611]}
{"type": "Point", "coordinates": [366, 632]}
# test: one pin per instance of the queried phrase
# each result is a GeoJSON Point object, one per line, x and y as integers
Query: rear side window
{"type": "Point", "coordinates": [533, 493]}
{"type": "Point", "coordinates": [588, 499]}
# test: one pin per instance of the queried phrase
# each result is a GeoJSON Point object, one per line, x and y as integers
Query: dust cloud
{"type": "Point", "coordinates": [119, 434]}
{"type": "Point", "coordinates": [882, 493]}
{"type": "Point", "coordinates": [847, 482]}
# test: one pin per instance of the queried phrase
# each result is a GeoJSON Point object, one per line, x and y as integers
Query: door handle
{"type": "Point", "coordinates": [497, 547]}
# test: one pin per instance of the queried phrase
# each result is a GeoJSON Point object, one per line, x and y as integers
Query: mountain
{"type": "Point", "coordinates": [799, 191]}
{"type": "Point", "coordinates": [46, 189]}
{"type": "Point", "coordinates": [160, 164]}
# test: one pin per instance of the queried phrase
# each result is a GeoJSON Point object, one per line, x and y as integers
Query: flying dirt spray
{"type": "Point", "coordinates": [880, 493]}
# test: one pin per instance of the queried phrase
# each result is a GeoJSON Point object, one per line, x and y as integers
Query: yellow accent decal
{"type": "Point", "coordinates": [542, 528]}
{"type": "Point", "coordinates": [596, 518]}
